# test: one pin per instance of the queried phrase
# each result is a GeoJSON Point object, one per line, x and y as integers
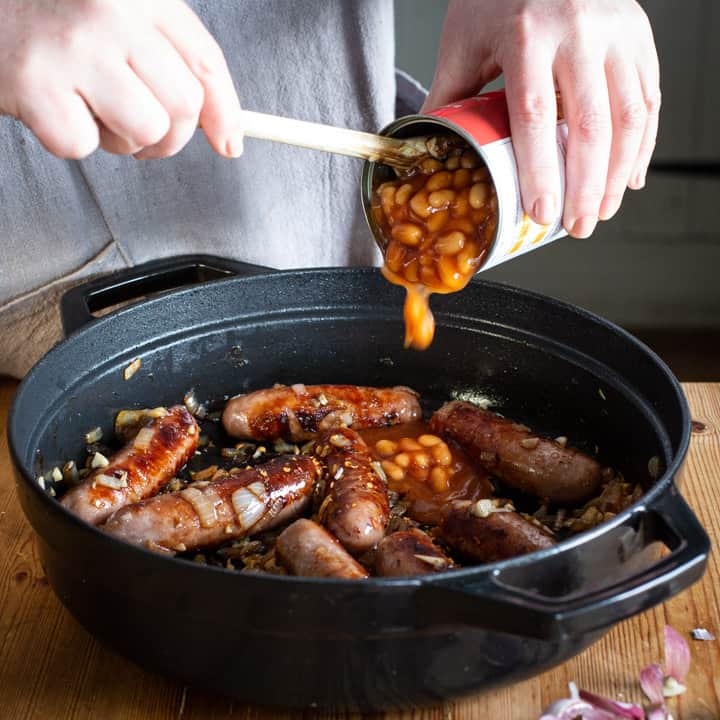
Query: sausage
{"type": "Point", "coordinates": [306, 548]}
{"type": "Point", "coordinates": [355, 508]}
{"type": "Point", "coordinates": [140, 469]}
{"type": "Point", "coordinates": [486, 534]}
{"type": "Point", "coordinates": [409, 552]}
{"type": "Point", "coordinates": [299, 412]}
{"type": "Point", "coordinates": [239, 503]}
{"type": "Point", "coordinates": [517, 456]}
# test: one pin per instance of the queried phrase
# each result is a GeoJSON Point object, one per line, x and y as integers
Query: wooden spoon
{"type": "Point", "coordinates": [401, 154]}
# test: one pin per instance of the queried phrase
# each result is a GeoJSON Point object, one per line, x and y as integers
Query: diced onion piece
{"type": "Point", "coordinates": [249, 504]}
{"type": "Point", "coordinates": [486, 507]}
{"type": "Point", "coordinates": [143, 438]}
{"type": "Point", "coordinates": [436, 562]}
{"type": "Point", "coordinates": [378, 468]}
{"type": "Point", "coordinates": [95, 435]}
{"type": "Point", "coordinates": [340, 441]}
{"type": "Point", "coordinates": [322, 399]}
{"type": "Point", "coordinates": [115, 482]}
{"type": "Point", "coordinates": [132, 368]}
{"type": "Point", "coordinates": [57, 476]}
{"type": "Point", "coordinates": [203, 506]}
{"type": "Point", "coordinates": [99, 461]}
{"type": "Point", "coordinates": [299, 389]}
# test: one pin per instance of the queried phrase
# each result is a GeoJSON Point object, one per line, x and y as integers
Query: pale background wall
{"type": "Point", "coordinates": [656, 264]}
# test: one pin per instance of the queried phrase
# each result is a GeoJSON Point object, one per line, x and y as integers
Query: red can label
{"type": "Point", "coordinates": [485, 119]}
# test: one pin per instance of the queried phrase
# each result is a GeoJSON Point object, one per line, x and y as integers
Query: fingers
{"type": "Point", "coordinates": [139, 120]}
{"type": "Point", "coordinates": [533, 117]}
{"type": "Point", "coordinates": [629, 119]}
{"type": "Point", "coordinates": [182, 98]}
{"type": "Point", "coordinates": [587, 109]}
{"type": "Point", "coordinates": [221, 116]}
{"type": "Point", "coordinates": [62, 122]}
{"type": "Point", "coordinates": [649, 74]}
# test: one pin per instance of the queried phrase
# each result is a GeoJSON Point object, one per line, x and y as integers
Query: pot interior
{"type": "Point", "coordinates": [556, 368]}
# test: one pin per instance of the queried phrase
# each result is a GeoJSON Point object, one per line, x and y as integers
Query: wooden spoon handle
{"type": "Point", "coordinates": [400, 153]}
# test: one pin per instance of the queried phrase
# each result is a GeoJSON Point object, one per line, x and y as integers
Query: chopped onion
{"type": "Point", "coordinates": [436, 562]}
{"type": "Point", "coordinates": [486, 507]}
{"type": "Point", "coordinates": [249, 504]}
{"type": "Point", "coordinates": [132, 368]}
{"type": "Point", "coordinates": [651, 682]}
{"type": "Point", "coordinates": [340, 441]}
{"type": "Point", "coordinates": [99, 461]}
{"type": "Point", "coordinates": [115, 482]}
{"type": "Point", "coordinates": [322, 399]}
{"type": "Point", "coordinates": [143, 438]}
{"type": "Point", "coordinates": [57, 476]}
{"type": "Point", "coordinates": [95, 435]}
{"type": "Point", "coordinates": [299, 389]}
{"type": "Point", "coordinates": [203, 506]}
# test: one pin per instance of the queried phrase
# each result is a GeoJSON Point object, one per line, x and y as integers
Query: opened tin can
{"type": "Point", "coordinates": [483, 122]}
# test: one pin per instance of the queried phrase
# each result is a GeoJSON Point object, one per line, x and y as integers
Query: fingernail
{"type": "Point", "coordinates": [544, 209]}
{"type": "Point", "coordinates": [609, 206]}
{"type": "Point", "coordinates": [583, 227]}
{"type": "Point", "coordinates": [234, 146]}
{"type": "Point", "coordinates": [638, 182]}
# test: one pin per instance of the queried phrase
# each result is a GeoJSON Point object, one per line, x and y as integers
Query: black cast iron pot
{"type": "Point", "coordinates": [380, 643]}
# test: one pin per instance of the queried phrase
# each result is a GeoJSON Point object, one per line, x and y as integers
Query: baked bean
{"type": "Point", "coordinates": [479, 193]}
{"type": "Point", "coordinates": [402, 459]}
{"type": "Point", "coordinates": [449, 275]}
{"type": "Point", "coordinates": [429, 440]}
{"type": "Point", "coordinates": [430, 165]}
{"type": "Point", "coordinates": [461, 179]}
{"type": "Point", "coordinates": [439, 479]}
{"type": "Point", "coordinates": [409, 445]}
{"type": "Point", "coordinates": [421, 460]}
{"type": "Point", "coordinates": [412, 271]}
{"type": "Point", "coordinates": [438, 221]}
{"type": "Point", "coordinates": [439, 181]}
{"type": "Point", "coordinates": [395, 256]}
{"type": "Point", "coordinates": [453, 163]}
{"type": "Point", "coordinates": [403, 194]}
{"type": "Point", "coordinates": [441, 199]}
{"type": "Point", "coordinates": [450, 244]}
{"type": "Point", "coordinates": [385, 447]}
{"type": "Point", "coordinates": [393, 471]}
{"type": "Point", "coordinates": [441, 454]}
{"type": "Point", "coordinates": [407, 233]}
{"type": "Point", "coordinates": [419, 204]}
{"type": "Point", "coordinates": [469, 160]}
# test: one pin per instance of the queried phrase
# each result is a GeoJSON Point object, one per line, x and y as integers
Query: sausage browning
{"type": "Point", "coordinates": [240, 503]}
{"type": "Point", "coordinates": [299, 412]}
{"type": "Point", "coordinates": [355, 507]}
{"type": "Point", "coordinates": [510, 451]}
{"type": "Point", "coordinates": [139, 470]}
{"type": "Point", "coordinates": [306, 548]}
{"type": "Point", "coordinates": [492, 535]}
{"type": "Point", "coordinates": [410, 552]}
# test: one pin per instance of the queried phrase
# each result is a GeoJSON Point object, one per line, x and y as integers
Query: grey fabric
{"type": "Point", "coordinates": [60, 222]}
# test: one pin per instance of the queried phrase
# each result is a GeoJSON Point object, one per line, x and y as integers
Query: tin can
{"type": "Point", "coordinates": [483, 122]}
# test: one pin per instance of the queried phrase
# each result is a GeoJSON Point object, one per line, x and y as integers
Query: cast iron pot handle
{"type": "Point", "coordinates": [493, 604]}
{"type": "Point", "coordinates": [80, 302]}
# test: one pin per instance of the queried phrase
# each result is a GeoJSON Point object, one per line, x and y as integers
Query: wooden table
{"type": "Point", "coordinates": [51, 668]}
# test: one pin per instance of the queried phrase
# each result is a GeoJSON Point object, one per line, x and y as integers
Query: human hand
{"type": "Point", "coordinates": [132, 76]}
{"type": "Point", "coordinates": [600, 55]}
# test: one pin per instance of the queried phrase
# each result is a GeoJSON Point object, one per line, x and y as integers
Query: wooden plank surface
{"type": "Point", "coordinates": [51, 668]}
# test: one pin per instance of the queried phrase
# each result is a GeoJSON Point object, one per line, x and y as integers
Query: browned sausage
{"type": "Point", "coordinates": [306, 548]}
{"type": "Point", "coordinates": [410, 552]}
{"type": "Point", "coordinates": [240, 503]}
{"type": "Point", "coordinates": [139, 470]}
{"type": "Point", "coordinates": [487, 535]}
{"type": "Point", "coordinates": [298, 412]}
{"type": "Point", "coordinates": [355, 508]}
{"type": "Point", "coordinates": [517, 456]}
